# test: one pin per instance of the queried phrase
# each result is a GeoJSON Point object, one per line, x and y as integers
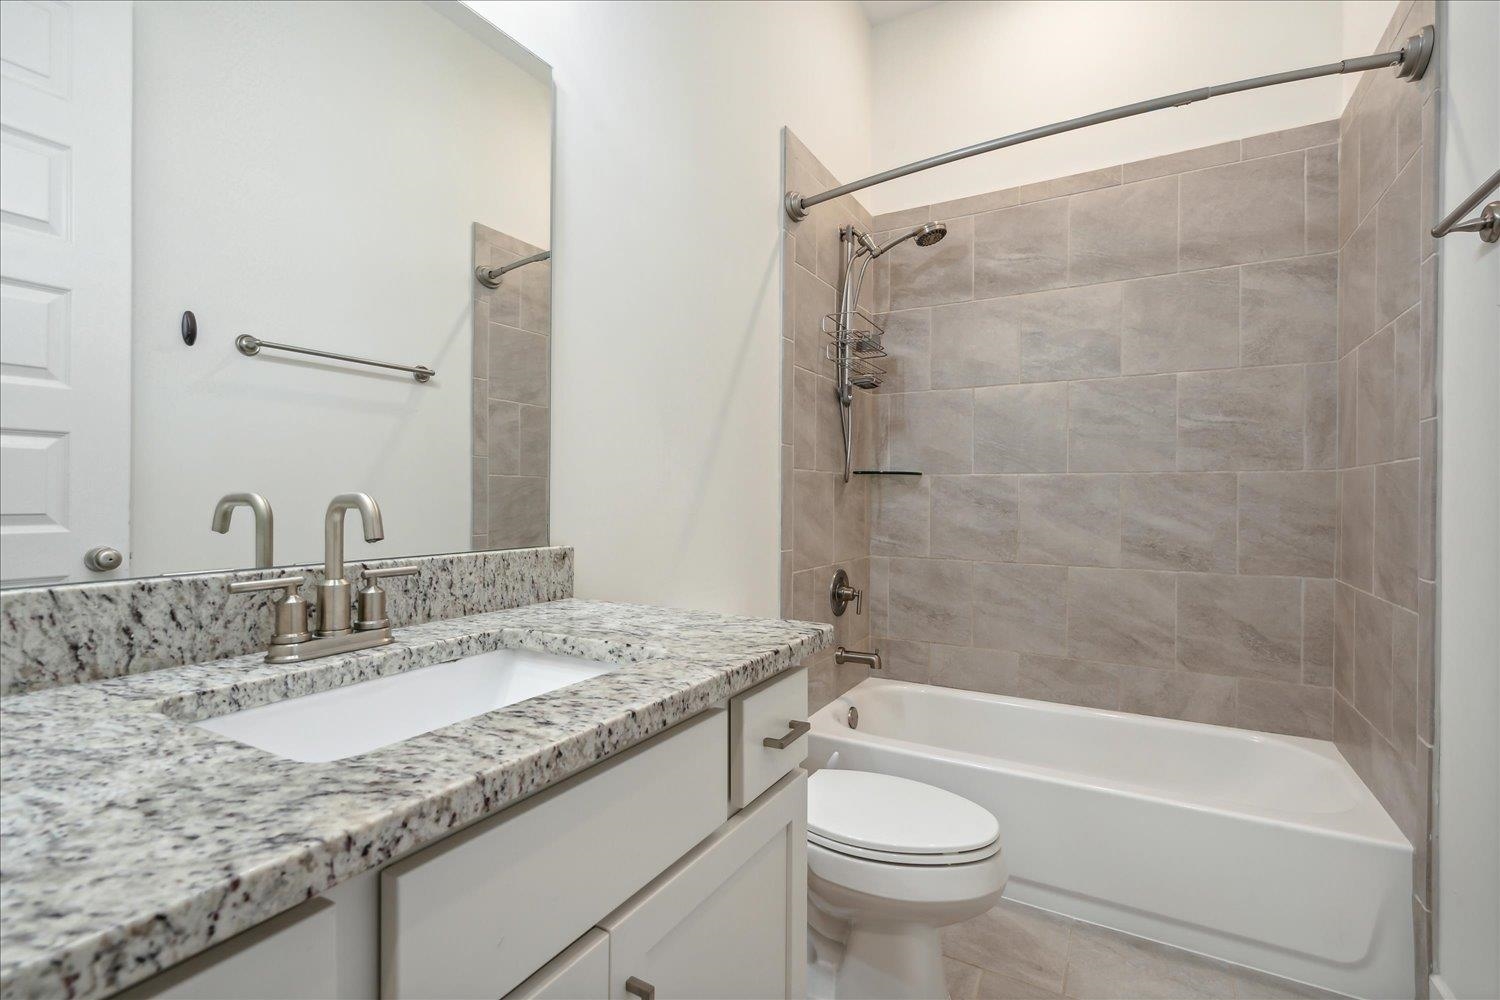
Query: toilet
{"type": "Point", "coordinates": [890, 861]}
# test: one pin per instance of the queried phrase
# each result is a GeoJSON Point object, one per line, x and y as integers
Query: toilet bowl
{"type": "Point", "coordinates": [890, 861]}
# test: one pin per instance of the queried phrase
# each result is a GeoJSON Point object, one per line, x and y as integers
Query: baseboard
{"type": "Point", "coordinates": [1438, 989]}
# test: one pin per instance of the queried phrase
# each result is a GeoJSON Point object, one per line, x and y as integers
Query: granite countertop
{"type": "Point", "coordinates": [130, 840]}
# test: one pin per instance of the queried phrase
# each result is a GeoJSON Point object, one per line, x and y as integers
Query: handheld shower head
{"type": "Point", "coordinates": [926, 235]}
{"type": "Point", "coordinates": [931, 233]}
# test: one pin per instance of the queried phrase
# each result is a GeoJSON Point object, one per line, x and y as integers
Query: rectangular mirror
{"type": "Point", "coordinates": [189, 185]}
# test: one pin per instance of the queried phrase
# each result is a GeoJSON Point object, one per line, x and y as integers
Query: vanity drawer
{"type": "Point", "coordinates": [774, 710]}
{"type": "Point", "coordinates": [293, 955]}
{"type": "Point", "coordinates": [478, 913]}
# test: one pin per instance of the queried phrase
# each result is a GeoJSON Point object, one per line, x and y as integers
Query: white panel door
{"type": "Point", "coordinates": [65, 127]}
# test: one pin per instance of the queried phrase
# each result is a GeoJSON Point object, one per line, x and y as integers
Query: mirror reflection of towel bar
{"type": "Point", "coordinates": [250, 346]}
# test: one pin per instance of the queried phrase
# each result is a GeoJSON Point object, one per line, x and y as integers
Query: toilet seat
{"type": "Point", "coordinates": [895, 858]}
{"type": "Point", "coordinates": [885, 818]}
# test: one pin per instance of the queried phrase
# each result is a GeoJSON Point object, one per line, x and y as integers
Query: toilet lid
{"type": "Point", "coordinates": [891, 815]}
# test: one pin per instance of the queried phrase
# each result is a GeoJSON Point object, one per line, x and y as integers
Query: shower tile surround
{"type": "Point", "coordinates": [1177, 421]}
{"type": "Point", "coordinates": [1120, 388]}
{"type": "Point", "coordinates": [512, 356]}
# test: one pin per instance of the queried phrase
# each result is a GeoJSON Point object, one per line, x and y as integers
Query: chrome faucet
{"type": "Point", "coordinates": [334, 593]}
{"type": "Point", "coordinates": [336, 632]}
{"type": "Point", "coordinates": [265, 526]}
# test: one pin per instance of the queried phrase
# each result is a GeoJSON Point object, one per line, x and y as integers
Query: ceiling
{"type": "Point", "coordinates": [878, 11]}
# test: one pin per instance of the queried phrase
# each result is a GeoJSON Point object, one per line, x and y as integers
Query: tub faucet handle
{"type": "Point", "coordinates": [841, 593]}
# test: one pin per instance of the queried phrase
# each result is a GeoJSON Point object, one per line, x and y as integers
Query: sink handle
{"type": "Point", "coordinates": [371, 613]}
{"type": "Point", "coordinates": [291, 609]}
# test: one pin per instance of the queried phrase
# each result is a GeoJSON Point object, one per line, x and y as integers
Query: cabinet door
{"type": "Point", "coordinates": [581, 972]}
{"type": "Point", "coordinates": [730, 918]}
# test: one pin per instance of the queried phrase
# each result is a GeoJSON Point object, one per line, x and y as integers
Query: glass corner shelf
{"type": "Point", "coordinates": [885, 472]}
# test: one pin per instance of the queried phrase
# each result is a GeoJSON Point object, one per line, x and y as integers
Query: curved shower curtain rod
{"type": "Point", "coordinates": [1410, 61]}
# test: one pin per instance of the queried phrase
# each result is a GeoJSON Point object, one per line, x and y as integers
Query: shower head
{"type": "Point", "coordinates": [926, 235]}
{"type": "Point", "coordinates": [931, 233]}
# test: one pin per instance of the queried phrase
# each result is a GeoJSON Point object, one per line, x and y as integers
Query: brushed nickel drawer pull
{"type": "Point", "coordinates": [640, 988]}
{"type": "Point", "coordinates": [797, 729]}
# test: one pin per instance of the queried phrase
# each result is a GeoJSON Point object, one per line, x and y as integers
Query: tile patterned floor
{"type": "Point", "coordinates": [1015, 952]}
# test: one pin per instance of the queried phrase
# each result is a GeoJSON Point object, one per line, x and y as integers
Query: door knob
{"type": "Point", "coordinates": [102, 559]}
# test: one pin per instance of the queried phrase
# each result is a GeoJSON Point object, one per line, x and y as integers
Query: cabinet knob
{"type": "Point", "coordinates": [640, 988]}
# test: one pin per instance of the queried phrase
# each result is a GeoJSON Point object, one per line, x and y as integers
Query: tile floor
{"type": "Point", "coordinates": [1015, 952]}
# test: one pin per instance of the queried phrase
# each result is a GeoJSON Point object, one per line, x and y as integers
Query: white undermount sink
{"type": "Point", "coordinates": [358, 718]}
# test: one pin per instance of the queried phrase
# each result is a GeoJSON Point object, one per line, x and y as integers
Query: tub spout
{"type": "Point", "coordinates": [871, 660]}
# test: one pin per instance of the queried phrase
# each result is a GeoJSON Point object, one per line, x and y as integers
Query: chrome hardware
{"type": "Point", "coordinates": [370, 613]}
{"type": "Point", "coordinates": [1484, 223]}
{"type": "Point", "coordinates": [291, 611]}
{"type": "Point", "coordinates": [871, 660]}
{"type": "Point", "coordinates": [334, 592]}
{"type": "Point", "coordinates": [265, 525]}
{"type": "Point", "coordinates": [250, 346]}
{"type": "Point", "coordinates": [1410, 62]}
{"type": "Point", "coordinates": [640, 989]}
{"type": "Point", "coordinates": [489, 277]}
{"type": "Point", "coordinates": [853, 717]}
{"type": "Point", "coordinates": [796, 729]}
{"type": "Point", "coordinates": [840, 593]}
{"type": "Point", "coordinates": [102, 559]}
{"type": "Point", "coordinates": [336, 633]}
{"type": "Point", "coordinates": [856, 337]}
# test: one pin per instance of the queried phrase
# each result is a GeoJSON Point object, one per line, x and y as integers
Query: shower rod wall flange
{"type": "Point", "coordinates": [1410, 61]}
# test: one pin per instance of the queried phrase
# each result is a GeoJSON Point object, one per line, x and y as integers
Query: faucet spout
{"type": "Point", "coordinates": [333, 529]}
{"type": "Point", "coordinates": [264, 522]}
{"type": "Point", "coordinates": [335, 594]}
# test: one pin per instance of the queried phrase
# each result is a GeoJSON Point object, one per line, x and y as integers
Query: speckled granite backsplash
{"type": "Point", "coordinates": [67, 635]}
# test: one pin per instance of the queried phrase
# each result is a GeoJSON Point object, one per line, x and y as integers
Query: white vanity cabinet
{"type": "Point", "coordinates": [674, 869]}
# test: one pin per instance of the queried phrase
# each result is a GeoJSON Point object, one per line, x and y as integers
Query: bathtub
{"type": "Point", "coordinates": [1261, 850]}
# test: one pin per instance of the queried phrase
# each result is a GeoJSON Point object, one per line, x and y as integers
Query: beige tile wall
{"type": "Point", "coordinates": [824, 524]}
{"type": "Point", "coordinates": [512, 351]}
{"type": "Point", "coordinates": [1121, 388]}
{"type": "Point", "coordinates": [1385, 597]}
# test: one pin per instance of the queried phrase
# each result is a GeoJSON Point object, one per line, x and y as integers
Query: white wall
{"type": "Point", "coordinates": [1467, 913]}
{"type": "Point", "coordinates": [667, 310]}
{"type": "Point", "coordinates": [310, 173]}
{"type": "Point", "coordinates": [1364, 21]}
{"type": "Point", "coordinates": [960, 73]}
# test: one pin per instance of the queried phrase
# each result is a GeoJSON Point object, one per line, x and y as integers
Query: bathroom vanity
{"type": "Point", "coordinates": [638, 870]}
{"type": "Point", "coordinates": [641, 830]}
